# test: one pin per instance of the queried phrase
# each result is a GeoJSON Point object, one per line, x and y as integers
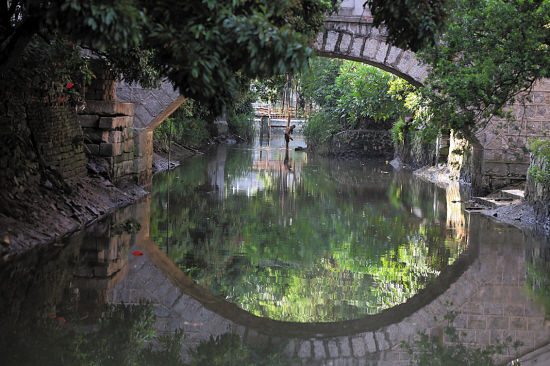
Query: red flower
{"type": "Point", "coordinates": [138, 253]}
{"type": "Point", "coordinates": [61, 319]}
{"type": "Point", "coordinates": [69, 85]}
{"type": "Point", "coordinates": [52, 316]}
{"type": "Point", "coordinates": [60, 99]}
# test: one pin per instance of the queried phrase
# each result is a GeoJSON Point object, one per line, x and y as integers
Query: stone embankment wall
{"type": "Point", "coordinates": [499, 154]}
{"type": "Point", "coordinates": [109, 133]}
{"type": "Point", "coordinates": [414, 152]}
{"type": "Point", "coordinates": [40, 138]}
{"type": "Point", "coordinates": [359, 144]}
{"type": "Point", "coordinates": [505, 145]}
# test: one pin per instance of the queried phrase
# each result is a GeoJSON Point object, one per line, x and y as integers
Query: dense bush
{"type": "Point", "coordinates": [352, 95]}
{"type": "Point", "coordinates": [541, 150]}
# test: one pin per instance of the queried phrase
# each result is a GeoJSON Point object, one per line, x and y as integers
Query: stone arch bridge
{"type": "Point", "coordinates": [500, 154]}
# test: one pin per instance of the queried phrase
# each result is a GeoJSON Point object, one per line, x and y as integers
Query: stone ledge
{"type": "Point", "coordinates": [108, 108]}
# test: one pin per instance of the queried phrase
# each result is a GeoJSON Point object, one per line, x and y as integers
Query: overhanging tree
{"type": "Point", "coordinates": [199, 45]}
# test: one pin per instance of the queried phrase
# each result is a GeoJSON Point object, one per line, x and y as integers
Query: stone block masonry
{"type": "Point", "coordinates": [109, 133]}
{"type": "Point", "coordinates": [505, 144]}
{"type": "Point", "coordinates": [58, 138]}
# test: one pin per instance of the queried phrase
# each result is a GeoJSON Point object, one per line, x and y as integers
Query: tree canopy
{"type": "Point", "coordinates": [489, 52]}
{"type": "Point", "coordinates": [482, 53]}
{"type": "Point", "coordinates": [411, 24]}
{"type": "Point", "coordinates": [200, 45]}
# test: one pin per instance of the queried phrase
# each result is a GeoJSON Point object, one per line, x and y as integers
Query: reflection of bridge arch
{"type": "Point", "coordinates": [275, 328]}
{"type": "Point", "coordinates": [484, 286]}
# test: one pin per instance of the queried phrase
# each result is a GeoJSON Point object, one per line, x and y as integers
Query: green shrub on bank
{"type": "Point", "coordinates": [541, 150]}
{"type": "Point", "coordinates": [319, 127]}
{"type": "Point", "coordinates": [192, 132]}
{"type": "Point", "coordinates": [241, 124]}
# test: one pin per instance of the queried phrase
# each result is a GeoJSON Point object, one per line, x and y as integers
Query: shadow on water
{"type": "Point", "coordinates": [346, 249]}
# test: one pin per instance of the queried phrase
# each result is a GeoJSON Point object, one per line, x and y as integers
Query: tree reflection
{"type": "Point", "coordinates": [343, 240]}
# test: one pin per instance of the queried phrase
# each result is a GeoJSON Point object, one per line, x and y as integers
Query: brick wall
{"type": "Point", "coordinates": [37, 132]}
{"type": "Point", "coordinates": [505, 145]}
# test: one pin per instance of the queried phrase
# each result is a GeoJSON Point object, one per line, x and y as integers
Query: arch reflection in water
{"type": "Point", "coordinates": [296, 238]}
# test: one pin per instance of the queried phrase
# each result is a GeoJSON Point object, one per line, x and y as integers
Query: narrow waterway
{"type": "Point", "coordinates": [298, 238]}
{"type": "Point", "coordinates": [342, 260]}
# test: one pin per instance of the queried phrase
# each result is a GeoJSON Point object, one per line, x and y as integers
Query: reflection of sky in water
{"type": "Point", "coordinates": [270, 158]}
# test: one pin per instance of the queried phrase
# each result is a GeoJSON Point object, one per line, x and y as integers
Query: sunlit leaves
{"type": "Point", "coordinates": [490, 51]}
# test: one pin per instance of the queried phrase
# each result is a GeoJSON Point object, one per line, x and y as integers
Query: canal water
{"type": "Point", "coordinates": [273, 245]}
{"type": "Point", "coordinates": [292, 237]}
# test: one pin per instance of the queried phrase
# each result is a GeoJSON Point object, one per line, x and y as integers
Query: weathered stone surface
{"type": "Point", "coordinates": [114, 137]}
{"type": "Point", "coordinates": [319, 352]}
{"type": "Point", "coordinates": [358, 346]}
{"type": "Point", "coordinates": [108, 149]}
{"type": "Point", "coordinates": [92, 149]}
{"type": "Point", "coordinates": [333, 349]}
{"type": "Point", "coordinates": [88, 120]}
{"type": "Point", "coordinates": [108, 108]}
{"type": "Point", "coordinates": [369, 340]}
{"type": "Point", "coordinates": [381, 341]}
{"type": "Point", "coordinates": [95, 135]}
{"type": "Point", "coordinates": [305, 350]}
{"type": "Point", "coordinates": [359, 143]}
{"type": "Point", "coordinates": [111, 123]}
{"type": "Point", "coordinates": [345, 346]}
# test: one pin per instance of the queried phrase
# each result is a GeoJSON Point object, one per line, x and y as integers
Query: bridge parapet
{"type": "Point", "coordinates": [354, 37]}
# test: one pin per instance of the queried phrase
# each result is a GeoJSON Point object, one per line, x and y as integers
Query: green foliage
{"type": "Point", "coordinates": [189, 131]}
{"type": "Point", "coordinates": [451, 351]}
{"type": "Point", "coordinates": [411, 23]}
{"type": "Point", "coordinates": [541, 172]}
{"type": "Point", "coordinates": [320, 126]}
{"type": "Point", "coordinates": [200, 45]}
{"type": "Point", "coordinates": [398, 131]}
{"type": "Point", "coordinates": [364, 94]}
{"type": "Point", "coordinates": [270, 89]}
{"type": "Point", "coordinates": [319, 81]}
{"type": "Point", "coordinates": [489, 51]}
{"type": "Point", "coordinates": [56, 72]}
{"type": "Point", "coordinates": [228, 350]}
{"type": "Point", "coordinates": [353, 95]}
{"type": "Point", "coordinates": [241, 124]}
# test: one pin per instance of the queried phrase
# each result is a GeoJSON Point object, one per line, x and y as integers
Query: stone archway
{"type": "Point", "coordinates": [355, 38]}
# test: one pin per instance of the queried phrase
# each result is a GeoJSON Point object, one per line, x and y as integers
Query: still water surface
{"type": "Point", "coordinates": [294, 237]}
{"type": "Point", "coordinates": [286, 236]}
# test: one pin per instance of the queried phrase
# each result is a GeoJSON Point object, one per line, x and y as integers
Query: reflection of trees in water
{"type": "Point", "coordinates": [335, 251]}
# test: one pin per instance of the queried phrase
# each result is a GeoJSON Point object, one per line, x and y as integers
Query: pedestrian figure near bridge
{"type": "Point", "coordinates": [289, 130]}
